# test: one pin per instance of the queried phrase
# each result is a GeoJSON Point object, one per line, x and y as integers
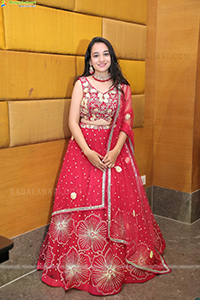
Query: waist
{"type": "Point", "coordinates": [95, 122]}
{"type": "Point", "coordinates": [94, 126]}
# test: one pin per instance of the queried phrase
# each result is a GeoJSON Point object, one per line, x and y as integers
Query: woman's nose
{"type": "Point", "coordinates": [101, 57]}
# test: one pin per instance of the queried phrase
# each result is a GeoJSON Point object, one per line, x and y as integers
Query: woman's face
{"type": "Point", "coordinates": [100, 58]}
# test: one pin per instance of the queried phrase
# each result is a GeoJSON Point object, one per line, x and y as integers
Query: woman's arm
{"type": "Point", "coordinates": [74, 117]}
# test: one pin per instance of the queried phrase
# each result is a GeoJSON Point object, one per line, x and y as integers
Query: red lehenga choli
{"type": "Point", "coordinates": [102, 232]}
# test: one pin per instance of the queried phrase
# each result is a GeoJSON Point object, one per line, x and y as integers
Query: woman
{"type": "Point", "coordinates": [102, 233]}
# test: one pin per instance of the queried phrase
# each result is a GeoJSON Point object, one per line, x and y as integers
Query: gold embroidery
{"type": "Point", "coordinates": [100, 97]}
{"type": "Point", "coordinates": [90, 126]}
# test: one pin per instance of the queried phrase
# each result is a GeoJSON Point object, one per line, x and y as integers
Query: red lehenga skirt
{"type": "Point", "coordinates": [102, 233]}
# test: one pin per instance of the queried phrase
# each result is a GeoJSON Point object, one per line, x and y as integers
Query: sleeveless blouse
{"type": "Point", "coordinates": [96, 105]}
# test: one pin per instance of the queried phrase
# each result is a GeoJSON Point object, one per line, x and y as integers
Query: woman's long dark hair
{"type": "Point", "coordinates": [115, 69]}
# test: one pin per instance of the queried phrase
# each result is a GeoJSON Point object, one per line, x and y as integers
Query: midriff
{"type": "Point", "coordinates": [96, 122]}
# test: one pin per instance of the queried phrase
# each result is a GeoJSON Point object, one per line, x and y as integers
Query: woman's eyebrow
{"type": "Point", "coordinates": [98, 52]}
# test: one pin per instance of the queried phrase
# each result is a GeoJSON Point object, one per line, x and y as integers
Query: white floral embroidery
{"type": "Point", "coordinates": [158, 238]}
{"type": "Point", "coordinates": [141, 255]}
{"type": "Point", "coordinates": [61, 228]}
{"type": "Point", "coordinates": [74, 268]}
{"type": "Point", "coordinates": [92, 234]}
{"type": "Point", "coordinates": [108, 273]}
{"type": "Point", "coordinates": [138, 273]}
{"type": "Point", "coordinates": [49, 257]}
{"type": "Point", "coordinates": [124, 226]}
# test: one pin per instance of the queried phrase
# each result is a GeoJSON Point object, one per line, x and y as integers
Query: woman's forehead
{"type": "Point", "coordinates": [97, 47]}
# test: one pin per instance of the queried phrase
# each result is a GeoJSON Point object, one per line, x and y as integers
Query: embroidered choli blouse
{"type": "Point", "coordinates": [96, 105]}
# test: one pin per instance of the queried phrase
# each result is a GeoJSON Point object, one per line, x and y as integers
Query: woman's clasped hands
{"type": "Point", "coordinates": [102, 162]}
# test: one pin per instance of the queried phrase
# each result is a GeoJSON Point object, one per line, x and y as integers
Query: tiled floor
{"type": "Point", "coordinates": [182, 255]}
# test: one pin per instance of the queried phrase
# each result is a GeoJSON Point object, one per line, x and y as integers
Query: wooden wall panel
{"type": "Point", "coordinates": [2, 38]}
{"type": "Point", "coordinates": [144, 151]}
{"type": "Point", "coordinates": [196, 160]}
{"type": "Point", "coordinates": [64, 4]}
{"type": "Point", "coordinates": [35, 30]}
{"type": "Point", "coordinates": [80, 65]}
{"type": "Point", "coordinates": [129, 10]}
{"type": "Point", "coordinates": [4, 126]}
{"type": "Point", "coordinates": [138, 104]}
{"type": "Point", "coordinates": [172, 158]}
{"type": "Point", "coordinates": [119, 33]}
{"type": "Point", "coordinates": [175, 91]}
{"type": "Point", "coordinates": [176, 58]}
{"type": "Point", "coordinates": [134, 71]}
{"type": "Point", "coordinates": [196, 141]}
{"type": "Point", "coordinates": [175, 65]}
{"type": "Point", "coordinates": [28, 178]}
{"type": "Point", "coordinates": [38, 121]}
{"type": "Point", "coordinates": [150, 63]}
{"type": "Point", "coordinates": [43, 76]}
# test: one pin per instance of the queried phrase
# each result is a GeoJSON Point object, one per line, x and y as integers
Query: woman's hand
{"type": "Point", "coordinates": [110, 158]}
{"type": "Point", "coordinates": [96, 159]}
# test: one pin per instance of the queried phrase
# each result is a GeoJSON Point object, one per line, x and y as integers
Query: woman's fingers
{"type": "Point", "coordinates": [102, 162]}
{"type": "Point", "coordinates": [101, 166]}
{"type": "Point", "coordinates": [111, 165]}
{"type": "Point", "coordinates": [96, 159]}
{"type": "Point", "coordinates": [100, 156]}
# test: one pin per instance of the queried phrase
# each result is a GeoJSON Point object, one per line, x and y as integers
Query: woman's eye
{"type": "Point", "coordinates": [106, 54]}
{"type": "Point", "coordinates": [95, 56]}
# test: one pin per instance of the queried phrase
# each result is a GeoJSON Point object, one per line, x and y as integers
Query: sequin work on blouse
{"type": "Point", "coordinates": [96, 105]}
